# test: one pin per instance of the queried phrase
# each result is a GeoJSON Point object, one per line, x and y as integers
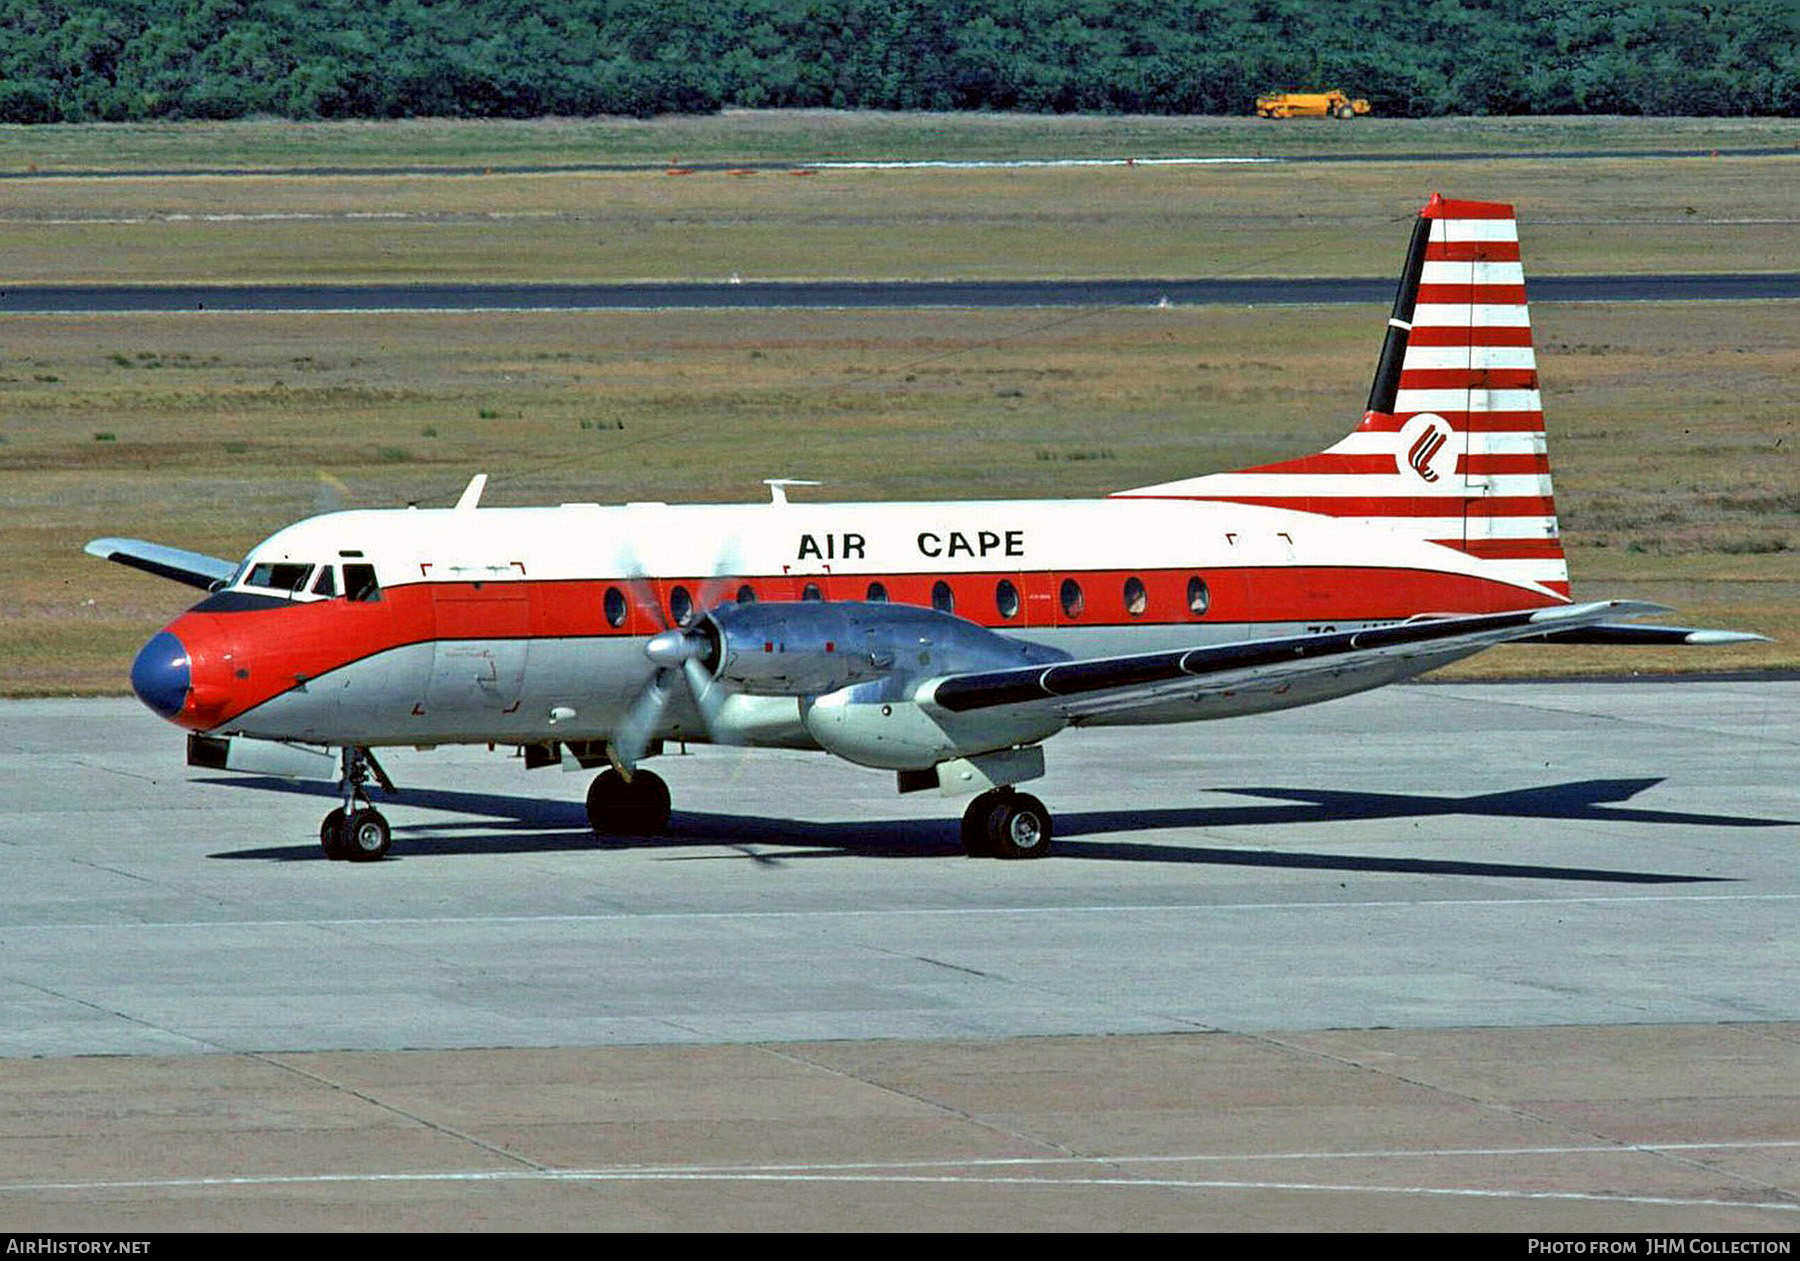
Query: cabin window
{"type": "Point", "coordinates": [1006, 598]}
{"type": "Point", "coordinates": [812, 592]}
{"type": "Point", "coordinates": [617, 610]}
{"type": "Point", "coordinates": [327, 584]}
{"type": "Point", "coordinates": [1136, 598]}
{"type": "Point", "coordinates": [360, 584]}
{"type": "Point", "coordinates": [942, 598]}
{"type": "Point", "coordinates": [877, 594]}
{"type": "Point", "coordinates": [279, 577]}
{"type": "Point", "coordinates": [1199, 598]}
{"type": "Point", "coordinates": [1074, 603]}
{"type": "Point", "coordinates": [681, 606]}
{"type": "Point", "coordinates": [746, 594]}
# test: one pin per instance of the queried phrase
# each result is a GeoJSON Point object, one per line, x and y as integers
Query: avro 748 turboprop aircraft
{"type": "Point", "coordinates": [942, 641]}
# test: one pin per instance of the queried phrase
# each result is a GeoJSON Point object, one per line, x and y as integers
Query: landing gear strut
{"type": "Point", "coordinates": [638, 806]}
{"type": "Point", "coordinates": [1004, 823]}
{"type": "Point", "coordinates": [356, 831]}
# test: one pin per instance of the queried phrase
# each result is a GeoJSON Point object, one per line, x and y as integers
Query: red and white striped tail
{"type": "Point", "coordinates": [1451, 448]}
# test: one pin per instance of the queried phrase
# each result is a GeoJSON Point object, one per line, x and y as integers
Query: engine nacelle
{"type": "Point", "coordinates": [896, 735]}
{"type": "Point", "coordinates": [810, 648]}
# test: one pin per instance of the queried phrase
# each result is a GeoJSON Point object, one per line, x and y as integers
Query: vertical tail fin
{"type": "Point", "coordinates": [1451, 447]}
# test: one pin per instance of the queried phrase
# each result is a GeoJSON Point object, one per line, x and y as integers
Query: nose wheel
{"type": "Point", "coordinates": [1003, 823]}
{"type": "Point", "coordinates": [638, 806]}
{"type": "Point", "coordinates": [356, 831]}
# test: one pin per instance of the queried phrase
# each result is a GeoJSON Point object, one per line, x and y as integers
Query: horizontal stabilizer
{"type": "Point", "coordinates": [193, 568]}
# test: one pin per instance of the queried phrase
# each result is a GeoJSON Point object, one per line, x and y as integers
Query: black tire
{"type": "Point", "coordinates": [637, 808]}
{"type": "Point", "coordinates": [1019, 826]}
{"type": "Point", "coordinates": [367, 837]}
{"type": "Point", "coordinates": [331, 836]}
{"type": "Point", "coordinates": [975, 840]}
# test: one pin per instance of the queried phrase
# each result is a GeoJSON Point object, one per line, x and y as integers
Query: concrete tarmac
{"type": "Point", "coordinates": [1552, 926]}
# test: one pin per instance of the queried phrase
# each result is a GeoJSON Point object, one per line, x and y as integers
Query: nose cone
{"type": "Point", "coordinates": [160, 676]}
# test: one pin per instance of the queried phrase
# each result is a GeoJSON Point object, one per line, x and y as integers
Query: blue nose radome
{"type": "Point", "coordinates": [160, 675]}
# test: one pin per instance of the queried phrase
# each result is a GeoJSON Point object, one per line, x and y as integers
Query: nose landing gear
{"type": "Point", "coordinates": [356, 831]}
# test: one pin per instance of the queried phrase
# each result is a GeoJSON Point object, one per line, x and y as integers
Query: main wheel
{"type": "Point", "coordinates": [975, 841]}
{"type": "Point", "coordinates": [366, 836]}
{"type": "Point", "coordinates": [638, 807]}
{"type": "Point", "coordinates": [1018, 826]}
{"type": "Point", "coordinates": [331, 835]}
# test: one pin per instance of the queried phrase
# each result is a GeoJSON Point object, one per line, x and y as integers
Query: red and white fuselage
{"type": "Point", "coordinates": [490, 623]}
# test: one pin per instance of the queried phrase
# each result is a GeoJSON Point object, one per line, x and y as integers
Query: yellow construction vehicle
{"type": "Point", "coordinates": [1332, 104]}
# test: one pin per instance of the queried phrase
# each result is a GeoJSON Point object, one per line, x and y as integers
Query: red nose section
{"type": "Point", "coordinates": [211, 676]}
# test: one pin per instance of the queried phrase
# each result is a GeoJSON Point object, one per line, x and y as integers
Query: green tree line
{"type": "Point", "coordinates": [131, 60]}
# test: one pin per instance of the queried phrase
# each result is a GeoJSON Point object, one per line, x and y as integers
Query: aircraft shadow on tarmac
{"type": "Point", "coordinates": [516, 824]}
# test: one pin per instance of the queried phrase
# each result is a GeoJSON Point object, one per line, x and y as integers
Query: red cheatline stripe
{"type": "Point", "coordinates": [1467, 335]}
{"type": "Point", "coordinates": [1472, 252]}
{"type": "Point", "coordinates": [1443, 208]}
{"type": "Point", "coordinates": [306, 641]}
{"type": "Point", "coordinates": [1509, 549]}
{"type": "Point", "coordinates": [1464, 422]}
{"type": "Point", "coordinates": [1481, 295]}
{"type": "Point", "coordinates": [1468, 378]}
{"type": "Point", "coordinates": [1491, 465]}
{"type": "Point", "coordinates": [1398, 505]}
{"type": "Point", "coordinates": [1328, 462]}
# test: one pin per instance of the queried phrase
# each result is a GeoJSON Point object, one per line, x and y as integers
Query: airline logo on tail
{"type": "Point", "coordinates": [1430, 439]}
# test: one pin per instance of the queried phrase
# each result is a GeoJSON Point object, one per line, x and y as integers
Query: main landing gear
{"type": "Point", "coordinates": [638, 806]}
{"type": "Point", "coordinates": [1004, 823]}
{"type": "Point", "coordinates": [356, 831]}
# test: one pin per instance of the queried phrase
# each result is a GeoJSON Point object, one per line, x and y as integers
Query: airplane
{"type": "Point", "coordinates": [943, 641]}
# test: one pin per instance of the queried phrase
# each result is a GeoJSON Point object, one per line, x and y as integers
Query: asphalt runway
{"type": "Point", "coordinates": [848, 295]}
{"type": "Point", "coordinates": [1439, 957]}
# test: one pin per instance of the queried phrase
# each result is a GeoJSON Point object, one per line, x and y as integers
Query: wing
{"type": "Point", "coordinates": [193, 568]}
{"type": "Point", "coordinates": [1115, 685]}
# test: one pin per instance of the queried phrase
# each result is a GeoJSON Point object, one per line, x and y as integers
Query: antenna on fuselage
{"type": "Point", "coordinates": [471, 496]}
{"type": "Point", "coordinates": [778, 487]}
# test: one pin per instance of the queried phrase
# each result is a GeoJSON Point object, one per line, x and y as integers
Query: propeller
{"type": "Point", "coordinates": [676, 652]}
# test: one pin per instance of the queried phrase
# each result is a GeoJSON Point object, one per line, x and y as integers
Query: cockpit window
{"type": "Point", "coordinates": [327, 583]}
{"type": "Point", "coordinates": [360, 584]}
{"type": "Point", "coordinates": [277, 576]}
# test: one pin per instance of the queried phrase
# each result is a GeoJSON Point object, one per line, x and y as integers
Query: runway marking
{"type": "Point", "coordinates": [921, 1172]}
{"type": "Point", "coordinates": [912, 913]}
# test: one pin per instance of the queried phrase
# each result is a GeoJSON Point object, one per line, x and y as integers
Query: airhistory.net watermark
{"type": "Point", "coordinates": [52, 1246]}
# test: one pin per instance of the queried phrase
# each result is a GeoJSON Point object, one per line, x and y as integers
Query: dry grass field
{"type": "Point", "coordinates": [1593, 215]}
{"type": "Point", "coordinates": [1672, 427]}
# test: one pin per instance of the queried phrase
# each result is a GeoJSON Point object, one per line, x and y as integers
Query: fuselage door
{"type": "Point", "coordinates": [482, 640]}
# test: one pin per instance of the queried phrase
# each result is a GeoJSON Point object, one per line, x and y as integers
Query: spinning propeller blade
{"type": "Point", "coordinates": [673, 650]}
